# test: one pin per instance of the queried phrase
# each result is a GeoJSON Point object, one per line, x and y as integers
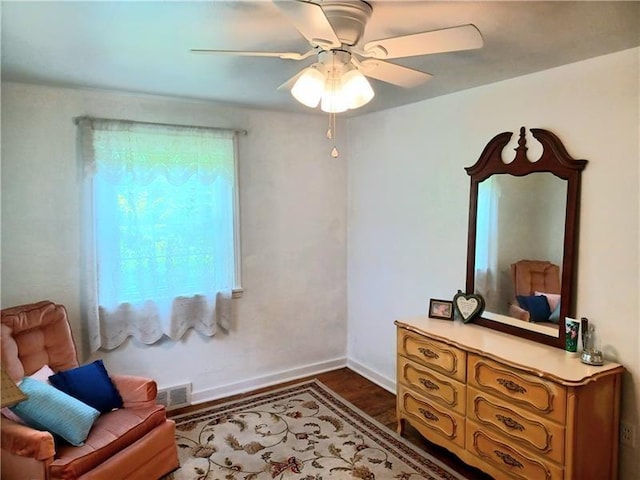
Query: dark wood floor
{"type": "Point", "coordinates": [375, 401]}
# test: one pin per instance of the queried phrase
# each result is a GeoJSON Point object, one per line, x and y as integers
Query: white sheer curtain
{"type": "Point", "coordinates": [486, 271]}
{"type": "Point", "coordinates": [159, 230]}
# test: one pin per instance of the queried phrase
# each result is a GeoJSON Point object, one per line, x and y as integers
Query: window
{"type": "Point", "coordinates": [487, 225]}
{"type": "Point", "coordinates": [161, 222]}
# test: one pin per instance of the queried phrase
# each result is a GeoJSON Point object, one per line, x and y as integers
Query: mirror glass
{"type": "Point", "coordinates": [523, 235]}
{"type": "Point", "coordinates": [518, 218]}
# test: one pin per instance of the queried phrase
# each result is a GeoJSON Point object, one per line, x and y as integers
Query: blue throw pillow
{"type": "Point", "coordinates": [90, 384]}
{"type": "Point", "coordinates": [537, 306]}
{"type": "Point", "coordinates": [49, 409]}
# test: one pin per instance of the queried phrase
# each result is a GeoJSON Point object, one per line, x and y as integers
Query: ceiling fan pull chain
{"type": "Point", "coordinates": [332, 121]}
{"type": "Point", "coordinates": [332, 113]}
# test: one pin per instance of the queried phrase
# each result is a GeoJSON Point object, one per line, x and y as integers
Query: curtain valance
{"type": "Point", "coordinates": [139, 152]}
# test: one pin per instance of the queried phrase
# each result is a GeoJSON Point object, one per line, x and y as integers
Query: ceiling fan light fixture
{"type": "Point", "coordinates": [310, 87]}
{"type": "Point", "coordinates": [334, 99]}
{"type": "Point", "coordinates": [356, 88]}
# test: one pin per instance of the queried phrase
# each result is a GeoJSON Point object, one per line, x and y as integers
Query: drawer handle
{"type": "Point", "coordinates": [508, 459]}
{"type": "Point", "coordinates": [428, 415]}
{"type": "Point", "coordinates": [428, 353]}
{"type": "Point", "coordinates": [428, 384]}
{"type": "Point", "coordinates": [510, 423]}
{"type": "Point", "coordinates": [511, 386]}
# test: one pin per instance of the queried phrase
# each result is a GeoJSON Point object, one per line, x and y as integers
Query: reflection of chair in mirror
{"type": "Point", "coordinates": [536, 284]}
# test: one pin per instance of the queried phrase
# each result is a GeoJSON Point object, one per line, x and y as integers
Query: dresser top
{"type": "Point", "coordinates": [536, 358]}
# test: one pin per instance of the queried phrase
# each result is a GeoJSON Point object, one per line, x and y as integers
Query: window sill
{"type": "Point", "coordinates": [237, 293]}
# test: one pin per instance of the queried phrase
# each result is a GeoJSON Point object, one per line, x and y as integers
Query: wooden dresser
{"type": "Point", "coordinates": [511, 407]}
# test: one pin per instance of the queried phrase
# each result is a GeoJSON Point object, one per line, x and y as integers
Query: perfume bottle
{"type": "Point", "coordinates": [588, 339]}
{"type": "Point", "coordinates": [591, 353]}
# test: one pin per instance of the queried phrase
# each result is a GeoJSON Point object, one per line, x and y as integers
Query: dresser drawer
{"type": "Point", "coordinates": [430, 417]}
{"type": "Point", "coordinates": [540, 396]}
{"type": "Point", "coordinates": [444, 358]}
{"type": "Point", "coordinates": [432, 385]}
{"type": "Point", "coordinates": [543, 437]}
{"type": "Point", "coordinates": [502, 454]}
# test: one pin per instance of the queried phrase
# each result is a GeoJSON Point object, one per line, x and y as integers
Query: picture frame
{"type": "Point", "coordinates": [468, 305]}
{"type": "Point", "coordinates": [442, 309]}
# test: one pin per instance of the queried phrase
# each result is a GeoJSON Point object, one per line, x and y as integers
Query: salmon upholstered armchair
{"type": "Point", "coordinates": [135, 442]}
{"type": "Point", "coordinates": [533, 279]}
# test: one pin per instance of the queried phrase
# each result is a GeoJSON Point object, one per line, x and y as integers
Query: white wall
{"type": "Point", "coordinates": [292, 317]}
{"type": "Point", "coordinates": [407, 216]}
{"type": "Point", "coordinates": [408, 204]}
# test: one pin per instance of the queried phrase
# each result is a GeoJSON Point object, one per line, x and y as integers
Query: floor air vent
{"type": "Point", "coordinates": [174, 397]}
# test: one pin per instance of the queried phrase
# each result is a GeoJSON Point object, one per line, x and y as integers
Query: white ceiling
{"type": "Point", "coordinates": [144, 46]}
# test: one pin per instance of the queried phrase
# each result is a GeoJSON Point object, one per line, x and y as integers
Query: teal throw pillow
{"type": "Point", "coordinates": [555, 315]}
{"type": "Point", "coordinates": [49, 409]}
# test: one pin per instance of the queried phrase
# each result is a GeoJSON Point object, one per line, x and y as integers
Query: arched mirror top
{"type": "Point", "coordinates": [523, 236]}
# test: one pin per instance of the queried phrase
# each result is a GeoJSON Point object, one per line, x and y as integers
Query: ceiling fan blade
{"type": "Point", "coordinates": [246, 53]}
{"type": "Point", "coordinates": [463, 37]}
{"type": "Point", "coordinates": [288, 85]}
{"type": "Point", "coordinates": [391, 73]}
{"type": "Point", "coordinates": [310, 21]}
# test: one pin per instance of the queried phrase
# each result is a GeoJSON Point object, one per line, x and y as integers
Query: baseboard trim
{"type": "Point", "coordinates": [266, 380]}
{"type": "Point", "coordinates": [372, 375]}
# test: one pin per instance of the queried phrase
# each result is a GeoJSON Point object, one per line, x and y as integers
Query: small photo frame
{"type": "Point", "coordinates": [442, 309]}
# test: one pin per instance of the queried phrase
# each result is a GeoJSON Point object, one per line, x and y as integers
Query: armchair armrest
{"type": "Point", "coordinates": [136, 392]}
{"type": "Point", "coordinates": [25, 441]}
{"type": "Point", "coordinates": [520, 313]}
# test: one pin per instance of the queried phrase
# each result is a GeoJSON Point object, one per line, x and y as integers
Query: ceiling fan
{"type": "Point", "coordinates": [334, 29]}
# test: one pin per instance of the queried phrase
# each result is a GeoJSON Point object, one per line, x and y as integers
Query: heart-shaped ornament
{"type": "Point", "coordinates": [469, 305]}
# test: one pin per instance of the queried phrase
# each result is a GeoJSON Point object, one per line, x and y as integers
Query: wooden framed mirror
{"type": "Point", "coordinates": [523, 236]}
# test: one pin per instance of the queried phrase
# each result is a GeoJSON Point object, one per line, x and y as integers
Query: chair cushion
{"type": "Point", "coordinates": [91, 385]}
{"type": "Point", "coordinates": [35, 335]}
{"type": "Point", "coordinates": [111, 433]}
{"type": "Point", "coordinates": [47, 408]}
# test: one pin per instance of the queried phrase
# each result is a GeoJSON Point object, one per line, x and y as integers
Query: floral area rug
{"type": "Point", "coordinates": [301, 432]}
